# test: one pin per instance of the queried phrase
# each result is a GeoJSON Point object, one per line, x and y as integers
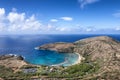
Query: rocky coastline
{"type": "Point", "coordinates": [101, 60]}
{"type": "Point", "coordinates": [12, 61]}
{"type": "Point", "coordinates": [95, 47]}
{"type": "Point", "coordinates": [61, 47]}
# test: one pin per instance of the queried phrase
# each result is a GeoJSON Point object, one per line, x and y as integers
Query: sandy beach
{"type": "Point", "coordinates": [76, 62]}
{"type": "Point", "coordinates": [80, 58]}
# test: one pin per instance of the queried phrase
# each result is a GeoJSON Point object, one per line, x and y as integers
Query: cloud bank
{"type": "Point", "coordinates": [83, 3]}
{"type": "Point", "coordinates": [14, 21]}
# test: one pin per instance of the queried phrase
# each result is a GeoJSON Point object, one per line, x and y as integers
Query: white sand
{"type": "Point", "coordinates": [80, 58]}
{"type": "Point", "coordinates": [77, 62]}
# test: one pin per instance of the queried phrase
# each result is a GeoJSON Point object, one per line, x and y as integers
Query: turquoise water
{"type": "Point", "coordinates": [24, 45]}
{"type": "Point", "coordinates": [52, 58]}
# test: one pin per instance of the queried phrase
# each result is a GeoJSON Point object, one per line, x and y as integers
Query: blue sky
{"type": "Point", "coordinates": [59, 16]}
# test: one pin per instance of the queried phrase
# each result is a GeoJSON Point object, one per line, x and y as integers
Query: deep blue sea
{"type": "Point", "coordinates": [24, 45]}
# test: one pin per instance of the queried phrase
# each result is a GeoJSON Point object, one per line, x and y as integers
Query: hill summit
{"type": "Point", "coordinates": [103, 50]}
{"type": "Point", "coordinates": [101, 61]}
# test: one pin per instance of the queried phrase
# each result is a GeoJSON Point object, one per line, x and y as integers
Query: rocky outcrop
{"type": "Point", "coordinates": [12, 61]}
{"type": "Point", "coordinates": [3, 57]}
{"type": "Point", "coordinates": [59, 47]}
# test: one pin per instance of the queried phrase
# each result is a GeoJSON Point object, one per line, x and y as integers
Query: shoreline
{"type": "Point", "coordinates": [60, 64]}
{"type": "Point", "coordinates": [76, 62]}
{"type": "Point", "coordinates": [80, 58]}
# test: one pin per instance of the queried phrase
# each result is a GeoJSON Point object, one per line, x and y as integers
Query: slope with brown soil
{"type": "Point", "coordinates": [102, 50]}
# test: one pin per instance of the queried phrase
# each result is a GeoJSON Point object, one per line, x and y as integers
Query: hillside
{"type": "Point", "coordinates": [102, 60]}
{"type": "Point", "coordinates": [102, 50]}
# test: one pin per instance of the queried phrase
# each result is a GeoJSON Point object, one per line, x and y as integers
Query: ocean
{"type": "Point", "coordinates": [24, 45]}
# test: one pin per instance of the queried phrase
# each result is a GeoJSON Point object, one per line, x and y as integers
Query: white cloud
{"type": "Point", "coordinates": [53, 20]}
{"type": "Point", "coordinates": [15, 22]}
{"type": "Point", "coordinates": [63, 29]}
{"type": "Point", "coordinates": [88, 29]}
{"type": "Point", "coordinates": [49, 26]}
{"type": "Point", "coordinates": [67, 18]}
{"type": "Point", "coordinates": [32, 24]}
{"type": "Point", "coordinates": [20, 23]}
{"type": "Point", "coordinates": [2, 18]}
{"type": "Point", "coordinates": [2, 28]}
{"type": "Point", "coordinates": [117, 29]}
{"type": "Point", "coordinates": [117, 14]}
{"type": "Point", "coordinates": [16, 17]}
{"type": "Point", "coordinates": [2, 11]}
{"type": "Point", "coordinates": [83, 3]}
{"type": "Point", "coordinates": [62, 18]}
{"type": "Point", "coordinates": [2, 14]}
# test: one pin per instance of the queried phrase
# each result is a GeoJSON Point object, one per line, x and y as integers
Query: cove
{"type": "Point", "coordinates": [51, 58]}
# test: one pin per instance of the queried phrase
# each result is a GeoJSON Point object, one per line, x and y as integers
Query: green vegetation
{"type": "Point", "coordinates": [28, 66]}
{"type": "Point", "coordinates": [8, 73]}
{"type": "Point", "coordinates": [75, 71]}
{"type": "Point", "coordinates": [86, 67]}
{"type": "Point", "coordinates": [5, 72]}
